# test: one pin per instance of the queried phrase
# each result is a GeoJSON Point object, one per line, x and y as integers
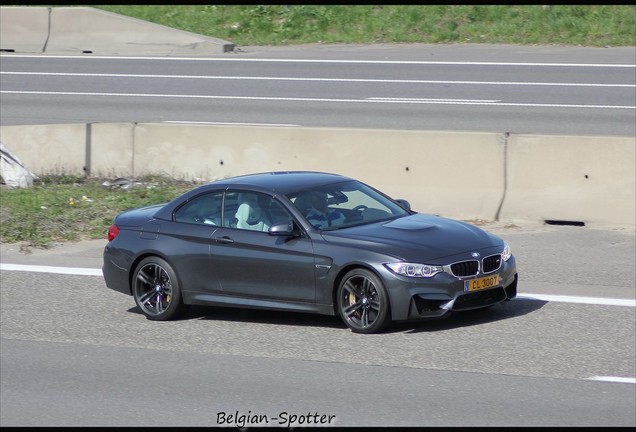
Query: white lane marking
{"type": "Point", "coordinates": [613, 379]}
{"type": "Point", "coordinates": [50, 269]}
{"type": "Point", "coordinates": [478, 101]}
{"type": "Point", "coordinates": [576, 299]}
{"type": "Point", "coordinates": [525, 296]}
{"type": "Point", "coordinates": [569, 299]}
{"type": "Point", "coordinates": [229, 123]}
{"type": "Point", "coordinates": [236, 59]}
{"type": "Point", "coordinates": [345, 80]}
{"type": "Point", "coordinates": [253, 98]}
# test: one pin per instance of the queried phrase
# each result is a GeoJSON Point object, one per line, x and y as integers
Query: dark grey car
{"type": "Point", "coordinates": [309, 242]}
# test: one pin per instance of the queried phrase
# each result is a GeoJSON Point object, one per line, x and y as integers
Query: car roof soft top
{"type": "Point", "coordinates": [282, 181]}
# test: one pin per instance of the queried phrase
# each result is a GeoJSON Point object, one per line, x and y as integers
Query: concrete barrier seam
{"type": "Point", "coordinates": [88, 152]}
{"type": "Point", "coordinates": [504, 140]}
{"type": "Point", "coordinates": [48, 32]}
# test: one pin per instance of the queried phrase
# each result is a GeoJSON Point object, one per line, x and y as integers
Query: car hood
{"type": "Point", "coordinates": [417, 237]}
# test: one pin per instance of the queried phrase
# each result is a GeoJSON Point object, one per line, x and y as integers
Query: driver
{"type": "Point", "coordinates": [320, 215]}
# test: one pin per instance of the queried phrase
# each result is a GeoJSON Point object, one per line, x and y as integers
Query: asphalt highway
{"type": "Point", "coordinates": [74, 353]}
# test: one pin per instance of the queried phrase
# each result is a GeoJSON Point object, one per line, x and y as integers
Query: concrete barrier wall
{"type": "Point", "coordinates": [588, 179]}
{"type": "Point", "coordinates": [27, 29]}
{"type": "Point", "coordinates": [428, 168]}
{"type": "Point", "coordinates": [489, 176]}
{"type": "Point", "coordinates": [48, 149]}
{"type": "Point", "coordinates": [24, 29]}
{"type": "Point", "coordinates": [111, 150]}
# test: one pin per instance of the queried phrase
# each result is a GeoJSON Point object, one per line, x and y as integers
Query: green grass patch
{"type": "Point", "coordinates": [59, 209]}
{"type": "Point", "coordinates": [594, 26]}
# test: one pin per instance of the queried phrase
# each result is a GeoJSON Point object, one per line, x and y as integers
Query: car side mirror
{"type": "Point", "coordinates": [285, 229]}
{"type": "Point", "coordinates": [404, 204]}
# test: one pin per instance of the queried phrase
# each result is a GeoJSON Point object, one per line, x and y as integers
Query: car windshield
{"type": "Point", "coordinates": [345, 204]}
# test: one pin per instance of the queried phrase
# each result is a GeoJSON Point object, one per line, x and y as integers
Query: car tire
{"type": "Point", "coordinates": [363, 303]}
{"type": "Point", "coordinates": [156, 290]}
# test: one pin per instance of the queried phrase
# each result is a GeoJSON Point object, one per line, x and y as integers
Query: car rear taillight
{"type": "Point", "coordinates": [112, 232]}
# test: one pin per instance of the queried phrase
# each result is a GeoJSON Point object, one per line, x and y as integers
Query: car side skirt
{"type": "Point", "coordinates": [207, 299]}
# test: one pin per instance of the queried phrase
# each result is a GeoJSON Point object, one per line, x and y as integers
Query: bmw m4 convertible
{"type": "Point", "coordinates": [307, 242]}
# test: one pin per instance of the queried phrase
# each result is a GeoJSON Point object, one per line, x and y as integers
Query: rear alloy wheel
{"type": "Point", "coordinates": [363, 302]}
{"type": "Point", "coordinates": [156, 290]}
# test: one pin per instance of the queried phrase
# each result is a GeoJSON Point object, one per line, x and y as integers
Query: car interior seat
{"type": "Point", "coordinates": [250, 214]}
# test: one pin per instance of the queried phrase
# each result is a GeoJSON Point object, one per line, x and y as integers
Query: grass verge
{"type": "Point", "coordinates": [584, 25]}
{"type": "Point", "coordinates": [68, 208]}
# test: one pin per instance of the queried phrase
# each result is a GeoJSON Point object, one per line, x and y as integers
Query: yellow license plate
{"type": "Point", "coordinates": [482, 283]}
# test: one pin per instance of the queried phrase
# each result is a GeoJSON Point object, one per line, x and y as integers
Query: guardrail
{"type": "Point", "coordinates": [515, 178]}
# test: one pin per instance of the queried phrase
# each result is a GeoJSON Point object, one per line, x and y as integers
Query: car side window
{"type": "Point", "coordinates": [277, 213]}
{"type": "Point", "coordinates": [203, 209]}
{"type": "Point", "coordinates": [254, 211]}
{"type": "Point", "coordinates": [250, 213]}
{"type": "Point", "coordinates": [229, 209]}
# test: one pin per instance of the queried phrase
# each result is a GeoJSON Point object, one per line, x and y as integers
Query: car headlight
{"type": "Point", "coordinates": [414, 269]}
{"type": "Point", "coordinates": [506, 254]}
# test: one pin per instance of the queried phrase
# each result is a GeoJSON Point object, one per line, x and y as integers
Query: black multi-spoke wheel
{"type": "Point", "coordinates": [363, 303]}
{"type": "Point", "coordinates": [156, 290]}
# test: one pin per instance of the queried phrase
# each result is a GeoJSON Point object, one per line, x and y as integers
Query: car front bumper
{"type": "Point", "coordinates": [418, 299]}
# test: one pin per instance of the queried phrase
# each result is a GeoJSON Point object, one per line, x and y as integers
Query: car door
{"type": "Point", "coordinates": [251, 262]}
{"type": "Point", "coordinates": [188, 238]}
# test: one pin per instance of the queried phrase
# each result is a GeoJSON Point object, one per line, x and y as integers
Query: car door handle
{"type": "Point", "coordinates": [224, 239]}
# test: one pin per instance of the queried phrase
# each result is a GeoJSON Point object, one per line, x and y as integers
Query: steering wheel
{"type": "Point", "coordinates": [360, 207]}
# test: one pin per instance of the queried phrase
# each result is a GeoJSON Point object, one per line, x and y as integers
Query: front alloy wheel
{"type": "Point", "coordinates": [363, 302]}
{"type": "Point", "coordinates": [156, 290]}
